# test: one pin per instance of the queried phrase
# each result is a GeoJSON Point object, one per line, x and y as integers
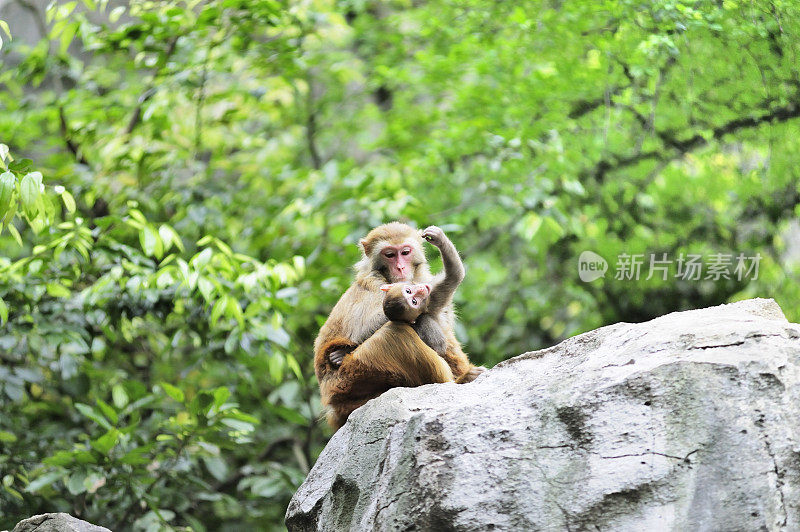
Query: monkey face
{"type": "Point", "coordinates": [394, 251]}
{"type": "Point", "coordinates": [405, 301]}
{"type": "Point", "coordinates": [397, 259]}
{"type": "Point", "coordinates": [416, 294]}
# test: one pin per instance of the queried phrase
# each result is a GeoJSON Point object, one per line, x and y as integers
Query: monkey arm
{"type": "Point", "coordinates": [442, 292]}
{"type": "Point", "coordinates": [431, 333]}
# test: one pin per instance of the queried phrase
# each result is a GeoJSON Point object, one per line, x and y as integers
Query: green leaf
{"type": "Point", "coordinates": [119, 396]}
{"type": "Point", "coordinates": [108, 411]}
{"type": "Point", "coordinates": [69, 201]}
{"type": "Point", "coordinates": [11, 213]}
{"type": "Point", "coordinates": [20, 165]}
{"type": "Point", "coordinates": [117, 12]}
{"type": "Point", "coordinates": [277, 335]}
{"type": "Point", "coordinates": [3, 312]}
{"type": "Point", "coordinates": [238, 425]}
{"type": "Point", "coordinates": [173, 391]}
{"type": "Point", "coordinates": [262, 486]}
{"type": "Point", "coordinates": [84, 457]}
{"type": "Point", "coordinates": [5, 28]}
{"type": "Point", "coordinates": [75, 483]}
{"type": "Point", "coordinates": [58, 290]}
{"type": "Point", "coordinates": [275, 364]}
{"type": "Point", "coordinates": [92, 414]}
{"type": "Point", "coordinates": [42, 481]}
{"type": "Point", "coordinates": [200, 260]}
{"type": "Point", "coordinates": [137, 456]}
{"type": "Point", "coordinates": [217, 310]}
{"type": "Point", "coordinates": [14, 493]}
{"type": "Point", "coordinates": [93, 482]}
{"type": "Point", "coordinates": [294, 366]}
{"type": "Point", "coordinates": [169, 236]}
{"type": "Point", "coordinates": [216, 466]}
{"type": "Point", "coordinates": [60, 458]}
{"type": "Point", "coordinates": [221, 395]}
{"type": "Point", "coordinates": [290, 415]}
{"type": "Point", "coordinates": [67, 35]}
{"type": "Point", "coordinates": [30, 190]}
{"type": "Point", "coordinates": [7, 437]}
{"type": "Point", "coordinates": [14, 233]}
{"type": "Point", "coordinates": [235, 311]}
{"type": "Point", "coordinates": [151, 243]}
{"type": "Point", "coordinates": [299, 264]}
{"type": "Point", "coordinates": [3, 147]}
{"type": "Point", "coordinates": [206, 287]}
{"type": "Point", "coordinates": [106, 442]}
{"type": "Point", "coordinates": [241, 416]}
{"type": "Point", "coordinates": [8, 183]}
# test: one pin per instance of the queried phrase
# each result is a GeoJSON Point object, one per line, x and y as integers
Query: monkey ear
{"type": "Point", "coordinates": [363, 244]}
{"type": "Point", "coordinates": [386, 287]}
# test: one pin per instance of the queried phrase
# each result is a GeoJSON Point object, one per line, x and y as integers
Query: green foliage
{"type": "Point", "coordinates": [183, 184]}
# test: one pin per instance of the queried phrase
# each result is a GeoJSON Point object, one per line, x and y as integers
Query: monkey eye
{"type": "Point", "coordinates": [408, 290]}
{"type": "Point", "coordinates": [406, 251]}
{"type": "Point", "coordinates": [413, 300]}
{"type": "Point", "coordinates": [389, 254]}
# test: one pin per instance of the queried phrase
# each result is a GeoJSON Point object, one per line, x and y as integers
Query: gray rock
{"type": "Point", "coordinates": [687, 422]}
{"type": "Point", "coordinates": [59, 522]}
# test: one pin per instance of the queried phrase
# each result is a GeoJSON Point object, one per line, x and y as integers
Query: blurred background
{"type": "Point", "coordinates": [185, 183]}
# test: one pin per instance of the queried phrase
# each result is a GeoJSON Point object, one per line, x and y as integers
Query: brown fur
{"type": "Point", "coordinates": [389, 354]}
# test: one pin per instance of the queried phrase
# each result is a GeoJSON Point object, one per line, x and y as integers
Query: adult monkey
{"type": "Point", "coordinates": [358, 355]}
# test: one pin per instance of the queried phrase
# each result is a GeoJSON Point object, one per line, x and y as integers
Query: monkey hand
{"type": "Point", "coordinates": [434, 235]}
{"type": "Point", "coordinates": [337, 355]}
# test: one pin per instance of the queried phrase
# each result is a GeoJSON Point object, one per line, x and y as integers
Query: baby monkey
{"type": "Point", "coordinates": [420, 305]}
{"type": "Point", "coordinates": [408, 302]}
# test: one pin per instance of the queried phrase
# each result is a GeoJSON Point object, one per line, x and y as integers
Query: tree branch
{"type": "Point", "coordinates": [682, 147]}
{"type": "Point", "coordinates": [66, 134]}
{"type": "Point", "coordinates": [136, 115]}
{"type": "Point", "coordinates": [311, 127]}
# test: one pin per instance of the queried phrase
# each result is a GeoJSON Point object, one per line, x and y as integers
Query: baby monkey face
{"type": "Point", "coordinates": [405, 301]}
{"type": "Point", "coordinates": [416, 294]}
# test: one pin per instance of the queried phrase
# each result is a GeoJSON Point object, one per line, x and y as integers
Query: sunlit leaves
{"type": "Point", "coordinates": [8, 184]}
{"type": "Point", "coordinates": [7, 31]}
{"type": "Point", "coordinates": [93, 414]}
{"type": "Point", "coordinates": [106, 442]}
{"type": "Point", "coordinates": [30, 192]}
{"type": "Point", "coordinates": [43, 481]}
{"type": "Point", "coordinates": [69, 201]}
{"type": "Point", "coordinates": [173, 391]}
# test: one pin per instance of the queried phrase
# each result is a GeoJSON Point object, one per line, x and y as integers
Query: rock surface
{"type": "Point", "coordinates": [59, 522]}
{"type": "Point", "coordinates": [690, 421]}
